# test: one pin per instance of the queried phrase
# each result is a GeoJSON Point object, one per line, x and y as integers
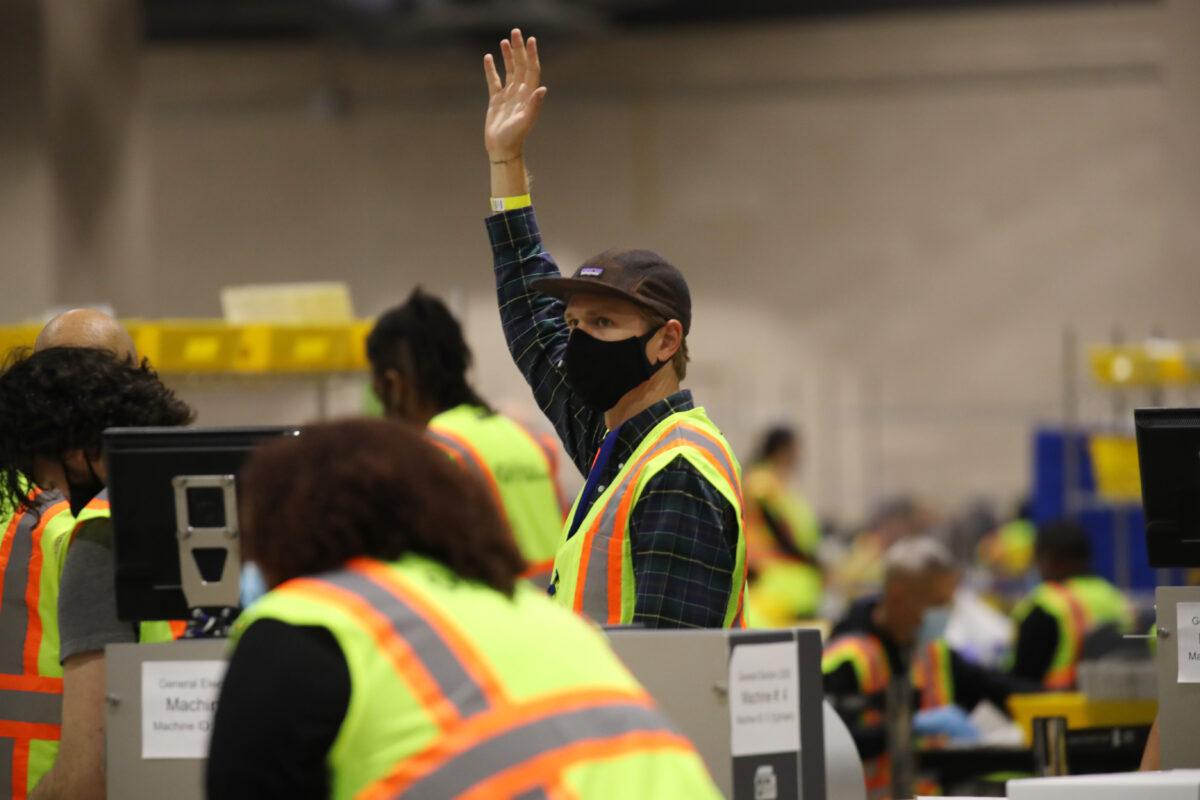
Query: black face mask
{"type": "Point", "coordinates": [82, 491]}
{"type": "Point", "coordinates": [602, 372]}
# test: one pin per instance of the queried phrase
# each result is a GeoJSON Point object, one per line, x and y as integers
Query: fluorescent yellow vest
{"type": "Point", "coordinates": [519, 471]}
{"type": "Point", "coordinates": [1079, 605]}
{"type": "Point", "coordinates": [785, 588]}
{"type": "Point", "coordinates": [594, 567]}
{"type": "Point", "coordinates": [457, 690]}
{"type": "Point", "coordinates": [33, 550]}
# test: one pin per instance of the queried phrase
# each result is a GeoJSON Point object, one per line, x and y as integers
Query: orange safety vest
{"type": "Point", "coordinates": [30, 692]}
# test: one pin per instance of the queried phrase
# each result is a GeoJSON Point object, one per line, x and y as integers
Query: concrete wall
{"type": "Point", "coordinates": [887, 222]}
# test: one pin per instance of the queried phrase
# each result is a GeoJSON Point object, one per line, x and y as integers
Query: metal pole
{"type": "Point", "coordinates": [898, 711]}
{"type": "Point", "coordinates": [1050, 746]}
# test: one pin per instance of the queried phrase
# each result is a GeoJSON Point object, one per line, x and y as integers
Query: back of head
{"type": "Point", "coordinates": [87, 327]}
{"type": "Point", "coordinates": [775, 440]}
{"type": "Point", "coordinates": [918, 558]}
{"type": "Point", "coordinates": [1063, 550]}
{"type": "Point", "coordinates": [423, 342]}
{"type": "Point", "coordinates": [61, 399]}
{"type": "Point", "coordinates": [369, 488]}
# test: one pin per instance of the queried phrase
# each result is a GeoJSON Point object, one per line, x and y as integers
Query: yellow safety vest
{"type": "Point", "coordinates": [32, 555]}
{"type": "Point", "coordinates": [458, 691]}
{"type": "Point", "coordinates": [519, 470]}
{"type": "Point", "coordinates": [1079, 605]}
{"type": "Point", "coordinates": [594, 567]}
{"type": "Point", "coordinates": [785, 588]}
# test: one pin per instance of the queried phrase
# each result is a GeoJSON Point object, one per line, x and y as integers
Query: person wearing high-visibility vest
{"type": "Point", "coordinates": [398, 654]}
{"type": "Point", "coordinates": [900, 633]}
{"type": "Point", "coordinates": [1071, 612]}
{"type": "Point", "coordinates": [655, 537]}
{"type": "Point", "coordinates": [33, 548]}
{"type": "Point", "coordinates": [57, 401]}
{"type": "Point", "coordinates": [419, 362]}
{"type": "Point", "coordinates": [782, 535]}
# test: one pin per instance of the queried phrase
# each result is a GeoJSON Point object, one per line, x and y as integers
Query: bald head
{"type": "Point", "coordinates": [86, 327]}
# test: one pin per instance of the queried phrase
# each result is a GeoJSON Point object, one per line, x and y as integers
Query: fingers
{"type": "Point", "coordinates": [534, 74]}
{"type": "Point", "coordinates": [519, 59]}
{"type": "Point", "coordinates": [507, 52]}
{"type": "Point", "coordinates": [535, 102]}
{"type": "Point", "coordinates": [490, 74]}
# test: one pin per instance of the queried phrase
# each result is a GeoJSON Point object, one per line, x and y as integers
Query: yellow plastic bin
{"type": "Point", "coordinates": [188, 346]}
{"type": "Point", "coordinates": [1079, 711]}
{"type": "Point", "coordinates": [1115, 464]}
{"type": "Point", "coordinates": [13, 337]}
{"type": "Point", "coordinates": [295, 348]}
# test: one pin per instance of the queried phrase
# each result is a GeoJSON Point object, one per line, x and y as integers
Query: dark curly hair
{"type": "Point", "coordinates": [370, 488]}
{"type": "Point", "coordinates": [423, 341]}
{"type": "Point", "coordinates": [61, 399]}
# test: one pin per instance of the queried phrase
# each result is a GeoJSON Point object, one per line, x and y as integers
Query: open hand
{"type": "Point", "coordinates": [514, 103]}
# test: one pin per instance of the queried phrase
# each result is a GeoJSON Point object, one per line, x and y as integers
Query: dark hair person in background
{"type": "Point", "coordinates": [419, 363]}
{"type": "Point", "coordinates": [428, 667]}
{"type": "Point", "coordinates": [604, 353]}
{"type": "Point", "coordinates": [1070, 606]}
{"type": "Point", "coordinates": [54, 405]}
{"type": "Point", "coordinates": [782, 534]}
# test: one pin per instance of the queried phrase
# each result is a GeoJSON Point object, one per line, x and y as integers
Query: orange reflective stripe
{"type": "Point", "coordinates": [727, 471]}
{"type": "Point", "coordinates": [178, 627]}
{"type": "Point", "coordinates": [405, 660]}
{"type": "Point", "coordinates": [485, 726]}
{"type": "Point", "coordinates": [33, 589]}
{"type": "Point", "coordinates": [29, 730]}
{"type": "Point", "coordinates": [30, 683]}
{"type": "Point", "coordinates": [1063, 676]}
{"type": "Point", "coordinates": [538, 568]}
{"type": "Point", "coordinates": [527, 774]}
{"type": "Point", "coordinates": [467, 450]}
{"type": "Point", "coordinates": [20, 769]}
{"type": "Point", "coordinates": [470, 658]}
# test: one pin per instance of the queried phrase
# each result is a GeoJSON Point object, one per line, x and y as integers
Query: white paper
{"type": "Point", "coordinates": [764, 699]}
{"type": "Point", "coordinates": [1187, 635]}
{"type": "Point", "coordinates": [179, 699]}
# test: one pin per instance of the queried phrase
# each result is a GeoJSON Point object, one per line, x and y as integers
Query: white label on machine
{"type": "Point", "coordinates": [179, 699]}
{"type": "Point", "coordinates": [764, 699]}
{"type": "Point", "coordinates": [1187, 630]}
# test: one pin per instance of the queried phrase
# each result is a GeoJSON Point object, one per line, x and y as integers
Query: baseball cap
{"type": "Point", "coordinates": [642, 277]}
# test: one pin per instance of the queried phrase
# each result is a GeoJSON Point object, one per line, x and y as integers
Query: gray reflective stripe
{"type": "Point", "coordinates": [454, 682]}
{"type": "Point", "coordinates": [520, 744]}
{"type": "Point", "coordinates": [595, 587]}
{"type": "Point", "coordinates": [537, 793]}
{"type": "Point", "coordinates": [7, 746]}
{"type": "Point", "coordinates": [39, 708]}
{"type": "Point", "coordinates": [464, 455]}
{"type": "Point", "coordinates": [14, 614]}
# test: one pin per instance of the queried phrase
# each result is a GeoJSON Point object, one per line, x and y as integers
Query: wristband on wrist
{"type": "Point", "coordinates": [511, 203]}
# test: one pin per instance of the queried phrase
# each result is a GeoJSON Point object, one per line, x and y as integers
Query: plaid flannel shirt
{"type": "Point", "coordinates": [683, 532]}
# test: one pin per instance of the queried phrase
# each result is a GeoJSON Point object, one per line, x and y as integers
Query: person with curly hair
{"type": "Point", "coordinates": [398, 654]}
{"type": "Point", "coordinates": [54, 405]}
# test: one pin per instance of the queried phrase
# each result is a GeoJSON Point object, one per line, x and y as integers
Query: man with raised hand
{"type": "Point", "coordinates": [655, 537]}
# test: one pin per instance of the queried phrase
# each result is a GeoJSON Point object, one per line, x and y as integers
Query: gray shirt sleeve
{"type": "Point", "coordinates": [87, 599]}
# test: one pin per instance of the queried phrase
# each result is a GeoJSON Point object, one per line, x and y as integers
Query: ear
{"type": "Point", "coordinates": [388, 387]}
{"type": "Point", "coordinates": [666, 344]}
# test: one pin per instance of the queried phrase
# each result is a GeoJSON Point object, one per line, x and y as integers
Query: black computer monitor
{"type": "Point", "coordinates": [1168, 441]}
{"type": "Point", "coordinates": [143, 465]}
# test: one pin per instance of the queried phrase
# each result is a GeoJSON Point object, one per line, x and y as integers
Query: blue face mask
{"type": "Point", "coordinates": [933, 624]}
{"type": "Point", "coordinates": [253, 584]}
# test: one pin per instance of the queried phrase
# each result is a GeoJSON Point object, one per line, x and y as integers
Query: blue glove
{"type": "Point", "coordinates": [948, 720]}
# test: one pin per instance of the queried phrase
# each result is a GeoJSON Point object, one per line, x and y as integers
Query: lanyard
{"type": "Point", "coordinates": [588, 496]}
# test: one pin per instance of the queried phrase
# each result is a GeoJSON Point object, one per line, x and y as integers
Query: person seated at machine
{"type": "Point", "coordinates": [1071, 614]}
{"type": "Point", "coordinates": [56, 404]}
{"type": "Point", "coordinates": [900, 632]}
{"type": "Point", "coordinates": [397, 652]}
{"type": "Point", "coordinates": [782, 535]}
{"type": "Point", "coordinates": [419, 362]}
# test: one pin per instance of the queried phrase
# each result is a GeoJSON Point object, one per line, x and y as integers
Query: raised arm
{"type": "Point", "coordinates": [533, 323]}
